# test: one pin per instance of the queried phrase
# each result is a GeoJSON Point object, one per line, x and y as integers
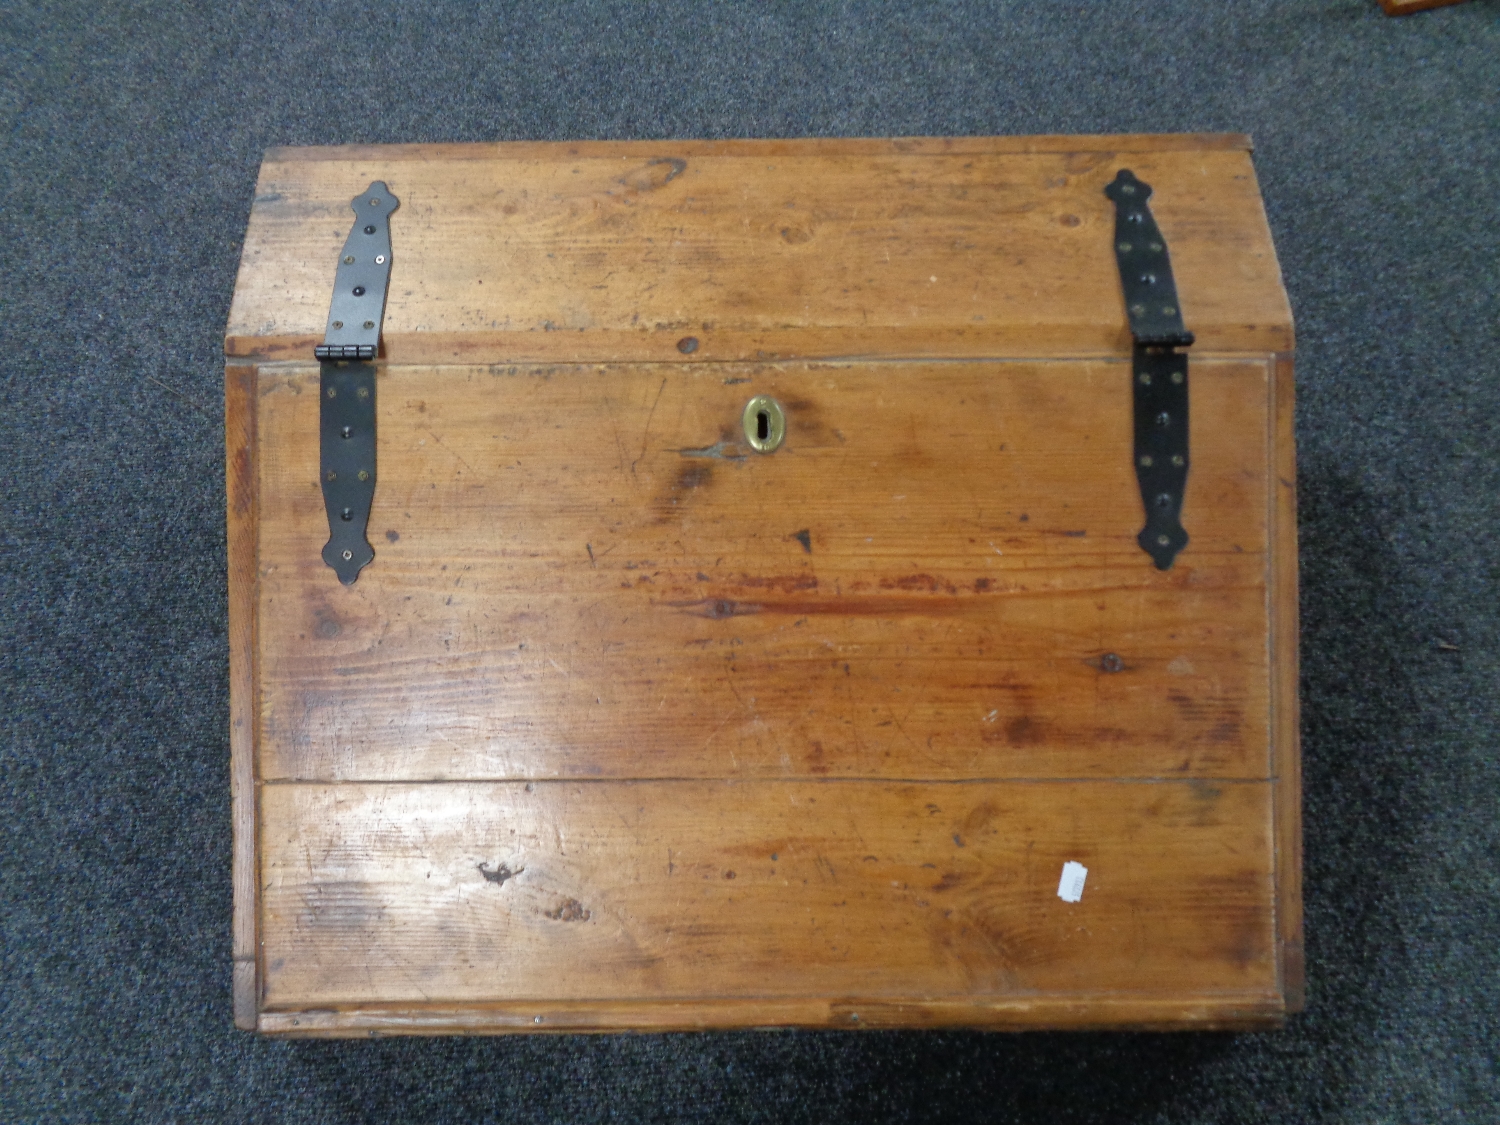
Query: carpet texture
{"type": "Point", "coordinates": [132, 134]}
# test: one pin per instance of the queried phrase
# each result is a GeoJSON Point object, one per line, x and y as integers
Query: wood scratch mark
{"type": "Point", "coordinates": [719, 450]}
{"type": "Point", "coordinates": [619, 445]}
{"type": "Point", "coordinates": [646, 436]}
{"type": "Point", "coordinates": [450, 449]}
{"type": "Point", "coordinates": [900, 727]}
{"type": "Point", "coordinates": [714, 733]}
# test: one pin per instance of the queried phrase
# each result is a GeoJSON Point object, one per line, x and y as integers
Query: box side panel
{"type": "Point", "coordinates": [1286, 733]}
{"type": "Point", "coordinates": [241, 386]}
{"type": "Point", "coordinates": [864, 894]}
{"type": "Point", "coordinates": [586, 572]}
{"type": "Point", "coordinates": [620, 256]}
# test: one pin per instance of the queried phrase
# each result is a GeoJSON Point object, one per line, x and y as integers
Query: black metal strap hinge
{"type": "Point", "coordinates": [1159, 373]}
{"type": "Point", "coordinates": [347, 387]}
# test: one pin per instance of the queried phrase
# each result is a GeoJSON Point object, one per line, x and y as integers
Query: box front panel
{"type": "Point", "coordinates": [586, 572]}
{"type": "Point", "coordinates": [671, 892]}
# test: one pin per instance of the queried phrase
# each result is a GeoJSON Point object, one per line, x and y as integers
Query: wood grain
{"type": "Point", "coordinates": [241, 384]}
{"type": "Point", "coordinates": [676, 891]}
{"type": "Point", "coordinates": [583, 572]}
{"type": "Point", "coordinates": [580, 253]}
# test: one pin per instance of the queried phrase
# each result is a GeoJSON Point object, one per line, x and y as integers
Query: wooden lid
{"type": "Point", "coordinates": [727, 250]}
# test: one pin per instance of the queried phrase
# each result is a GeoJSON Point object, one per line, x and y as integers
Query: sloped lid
{"type": "Point", "coordinates": [720, 250]}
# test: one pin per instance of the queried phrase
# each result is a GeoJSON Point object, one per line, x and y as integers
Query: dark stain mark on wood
{"type": "Point", "coordinates": [981, 585]}
{"type": "Point", "coordinates": [805, 538]}
{"type": "Point", "coordinates": [392, 535]}
{"type": "Point", "coordinates": [1224, 733]}
{"type": "Point", "coordinates": [786, 584]}
{"type": "Point", "coordinates": [918, 606]}
{"type": "Point", "coordinates": [500, 874]}
{"type": "Point", "coordinates": [958, 840]}
{"type": "Point", "coordinates": [716, 609]}
{"type": "Point", "coordinates": [1021, 731]}
{"type": "Point", "coordinates": [1223, 719]}
{"type": "Point", "coordinates": [693, 476]}
{"type": "Point", "coordinates": [569, 910]}
{"type": "Point", "coordinates": [341, 905]}
{"type": "Point", "coordinates": [919, 582]}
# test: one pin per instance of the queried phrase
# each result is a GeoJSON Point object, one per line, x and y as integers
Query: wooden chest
{"type": "Point", "coordinates": [761, 628]}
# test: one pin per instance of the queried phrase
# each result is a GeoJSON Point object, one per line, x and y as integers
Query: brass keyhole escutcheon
{"type": "Point", "coordinates": [765, 424]}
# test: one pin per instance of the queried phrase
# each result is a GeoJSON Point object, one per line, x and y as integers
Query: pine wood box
{"type": "Point", "coordinates": [628, 726]}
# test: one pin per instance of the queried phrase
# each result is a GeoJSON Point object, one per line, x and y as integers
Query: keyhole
{"type": "Point", "coordinates": [764, 424]}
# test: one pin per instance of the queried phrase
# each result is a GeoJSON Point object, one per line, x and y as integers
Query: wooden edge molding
{"type": "Point", "coordinates": [1407, 7]}
{"type": "Point", "coordinates": [1286, 730]}
{"type": "Point", "coordinates": [804, 146]}
{"type": "Point", "coordinates": [1230, 1011]}
{"type": "Point", "coordinates": [803, 345]}
{"type": "Point", "coordinates": [240, 397]}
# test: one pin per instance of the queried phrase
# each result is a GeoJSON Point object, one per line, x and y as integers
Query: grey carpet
{"type": "Point", "coordinates": [132, 134]}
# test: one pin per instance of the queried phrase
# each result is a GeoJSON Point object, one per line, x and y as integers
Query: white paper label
{"type": "Point", "coordinates": [1070, 887]}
